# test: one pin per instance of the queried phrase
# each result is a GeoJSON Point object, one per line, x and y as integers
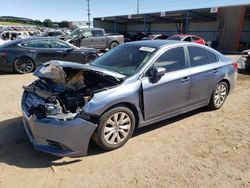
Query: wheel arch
{"type": "Point", "coordinates": [114, 41]}
{"type": "Point", "coordinates": [24, 56]}
{"type": "Point", "coordinates": [128, 105]}
{"type": "Point", "coordinates": [227, 82]}
{"type": "Point", "coordinates": [90, 53]}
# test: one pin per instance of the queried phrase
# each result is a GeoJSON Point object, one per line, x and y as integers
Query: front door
{"type": "Point", "coordinates": [171, 92]}
{"type": "Point", "coordinates": [41, 50]}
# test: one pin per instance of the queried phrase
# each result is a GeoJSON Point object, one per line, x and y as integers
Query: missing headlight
{"type": "Point", "coordinates": [53, 108]}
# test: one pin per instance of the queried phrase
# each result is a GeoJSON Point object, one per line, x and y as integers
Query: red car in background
{"type": "Point", "coordinates": [188, 38]}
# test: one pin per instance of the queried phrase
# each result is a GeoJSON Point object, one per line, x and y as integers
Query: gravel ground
{"type": "Point", "coordinates": [202, 148]}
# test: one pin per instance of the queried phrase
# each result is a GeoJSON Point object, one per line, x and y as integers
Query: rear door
{"type": "Point", "coordinates": [171, 92]}
{"type": "Point", "coordinates": [99, 39]}
{"type": "Point", "coordinates": [205, 72]}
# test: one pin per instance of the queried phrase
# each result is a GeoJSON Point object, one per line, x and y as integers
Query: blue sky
{"type": "Point", "coordinates": [76, 10]}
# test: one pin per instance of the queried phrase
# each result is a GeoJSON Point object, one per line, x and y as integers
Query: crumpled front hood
{"type": "Point", "coordinates": [54, 70]}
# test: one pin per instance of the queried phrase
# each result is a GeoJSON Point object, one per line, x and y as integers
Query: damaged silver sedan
{"type": "Point", "coordinates": [133, 85]}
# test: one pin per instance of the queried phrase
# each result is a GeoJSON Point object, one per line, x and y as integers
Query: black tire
{"type": "Point", "coordinates": [247, 68]}
{"type": "Point", "coordinates": [219, 96]}
{"type": "Point", "coordinates": [113, 45]}
{"type": "Point", "coordinates": [101, 137]}
{"type": "Point", "coordinates": [23, 65]}
{"type": "Point", "coordinates": [90, 57]}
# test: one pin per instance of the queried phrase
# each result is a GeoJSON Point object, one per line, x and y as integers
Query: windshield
{"type": "Point", "coordinates": [125, 59]}
{"type": "Point", "coordinates": [76, 32]}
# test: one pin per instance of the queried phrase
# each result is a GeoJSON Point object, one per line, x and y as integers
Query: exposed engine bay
{"type": "Point", "coordinates": [61, 92]}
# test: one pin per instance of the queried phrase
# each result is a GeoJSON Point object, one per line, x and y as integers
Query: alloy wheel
{"type": "Point", "coordinates": [220, 95]}
{"type": "Point", "coordinates": [91, 57]}
{"type": "Point", "coordinates": [24, 65]}
{"type": "Point", "coordinates": [117, 128]}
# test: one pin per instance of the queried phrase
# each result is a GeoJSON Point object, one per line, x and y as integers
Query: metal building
{"type": "Point", "coordinates": [227, 27]}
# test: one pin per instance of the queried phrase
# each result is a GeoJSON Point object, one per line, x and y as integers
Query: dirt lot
{"type": "Point", "coordinates": [200, 149]}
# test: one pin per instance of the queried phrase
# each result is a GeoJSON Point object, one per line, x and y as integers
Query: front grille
{"type": "Point", "coordinates": [54, 144]}
{"type": "Point", "coordinates": [33, 100]}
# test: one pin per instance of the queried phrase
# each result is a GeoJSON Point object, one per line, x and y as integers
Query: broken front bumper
{"type": "Point", "coordinates": [63, 138]}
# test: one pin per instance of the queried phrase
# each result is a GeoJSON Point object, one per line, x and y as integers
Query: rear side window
{"type": "Point", "coordinates": [188, 39]}
{"type": "Point", "coordinates": [172, 60]}
{"type": "Point", "coordinates": [198, 56]}
{"type": "Point", "coordinates": [195, 38]}
{"type": "Point", "coordinates": [97, 33]}
{"type": "Point", "coordinates": [36, 44]}
{"type": "Point", "coordinates": [212, 57]}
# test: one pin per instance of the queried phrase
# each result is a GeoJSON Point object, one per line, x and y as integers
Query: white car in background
{"type": "Point", "coordinates": [11, 35]}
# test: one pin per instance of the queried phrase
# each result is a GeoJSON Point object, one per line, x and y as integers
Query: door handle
{"type": "Point", "coordinates": [33, 51]}
{"type": "Point", "coordinates": [185, 79]}
{"type": "Point", "coordinates": [216, 70]}
{"type": "Point", "coordinates": [59, 51]}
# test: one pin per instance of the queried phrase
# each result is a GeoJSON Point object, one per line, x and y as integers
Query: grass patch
{"type": "Point", "coordinates": [12, 23]}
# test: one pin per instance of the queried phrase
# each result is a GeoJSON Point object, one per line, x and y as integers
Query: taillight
{"type": "Point", "coordinates": [235, 65]}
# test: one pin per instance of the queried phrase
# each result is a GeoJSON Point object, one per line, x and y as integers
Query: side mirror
{"type": "Point", "coordinates": [157, 72]}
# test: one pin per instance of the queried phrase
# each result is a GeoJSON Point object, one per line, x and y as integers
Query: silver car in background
{"type": "Point", "coordinates": [131, 86]}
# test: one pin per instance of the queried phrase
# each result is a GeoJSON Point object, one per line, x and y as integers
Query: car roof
{"type": "Point", "coordinates": [186, 35]}
{"type": "Point", "coordinates": [17, 41]}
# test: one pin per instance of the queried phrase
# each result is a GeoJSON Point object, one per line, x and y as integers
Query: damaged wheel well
{"type": "Point", "coordinates": [127, 105]}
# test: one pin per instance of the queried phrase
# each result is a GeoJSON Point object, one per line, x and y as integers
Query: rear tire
{"type": "Point", "coordinates": [116, 126]}
{"type": "Point", "coordinates": [23, 65]}
{"type": "Point", "coordinates": [219, 96]}
{"type": "Point", "coordinates": [113, 45]}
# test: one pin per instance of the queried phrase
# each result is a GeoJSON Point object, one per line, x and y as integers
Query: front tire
{"type": "Point", "coordinates": [116, 126]}
{"type": "Point", "coordinates": [219, 96]}
{"type": "Point", "coordinates": [90, 57]}
{"type": "Point", "coordinates": [23, 65]}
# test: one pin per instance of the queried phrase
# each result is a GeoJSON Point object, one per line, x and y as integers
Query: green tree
{"type": "Point", "coordinates": [48, 23]}
{"type": "Point", "coordinates": [64, 24]}
{"type": "Point", "coordinates": [38, 22]}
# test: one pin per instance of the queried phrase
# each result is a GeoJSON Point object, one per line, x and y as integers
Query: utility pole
{"type": "Point", "coordinates": [88, 14]}
{"type": "Point", "coordinates": [138, 5]}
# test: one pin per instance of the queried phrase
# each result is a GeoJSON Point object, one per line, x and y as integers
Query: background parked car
{"type": "Point", "coordinates": [156, 37]}
{"type": "Point", "coordinates": [24, 55]}
{"type": "Point", "coordinates": [246, 59]}
{"type": "Point", "coordinates": [11, 35]}
{"type": "Point", "coordinates": [188, 38]}
{"type": "Point", "coordinates": [57, 34]}
{"type": "Point", "coordinates": [95, 38]}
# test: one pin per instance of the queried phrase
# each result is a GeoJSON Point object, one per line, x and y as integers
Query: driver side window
{"type": "Point", "coordinates": [172, 60]}
{"type": "Point", "coordinates": [57, 44]}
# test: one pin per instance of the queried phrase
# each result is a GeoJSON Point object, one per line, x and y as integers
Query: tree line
{"type": "Point", "coordinates": [45, 23]}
